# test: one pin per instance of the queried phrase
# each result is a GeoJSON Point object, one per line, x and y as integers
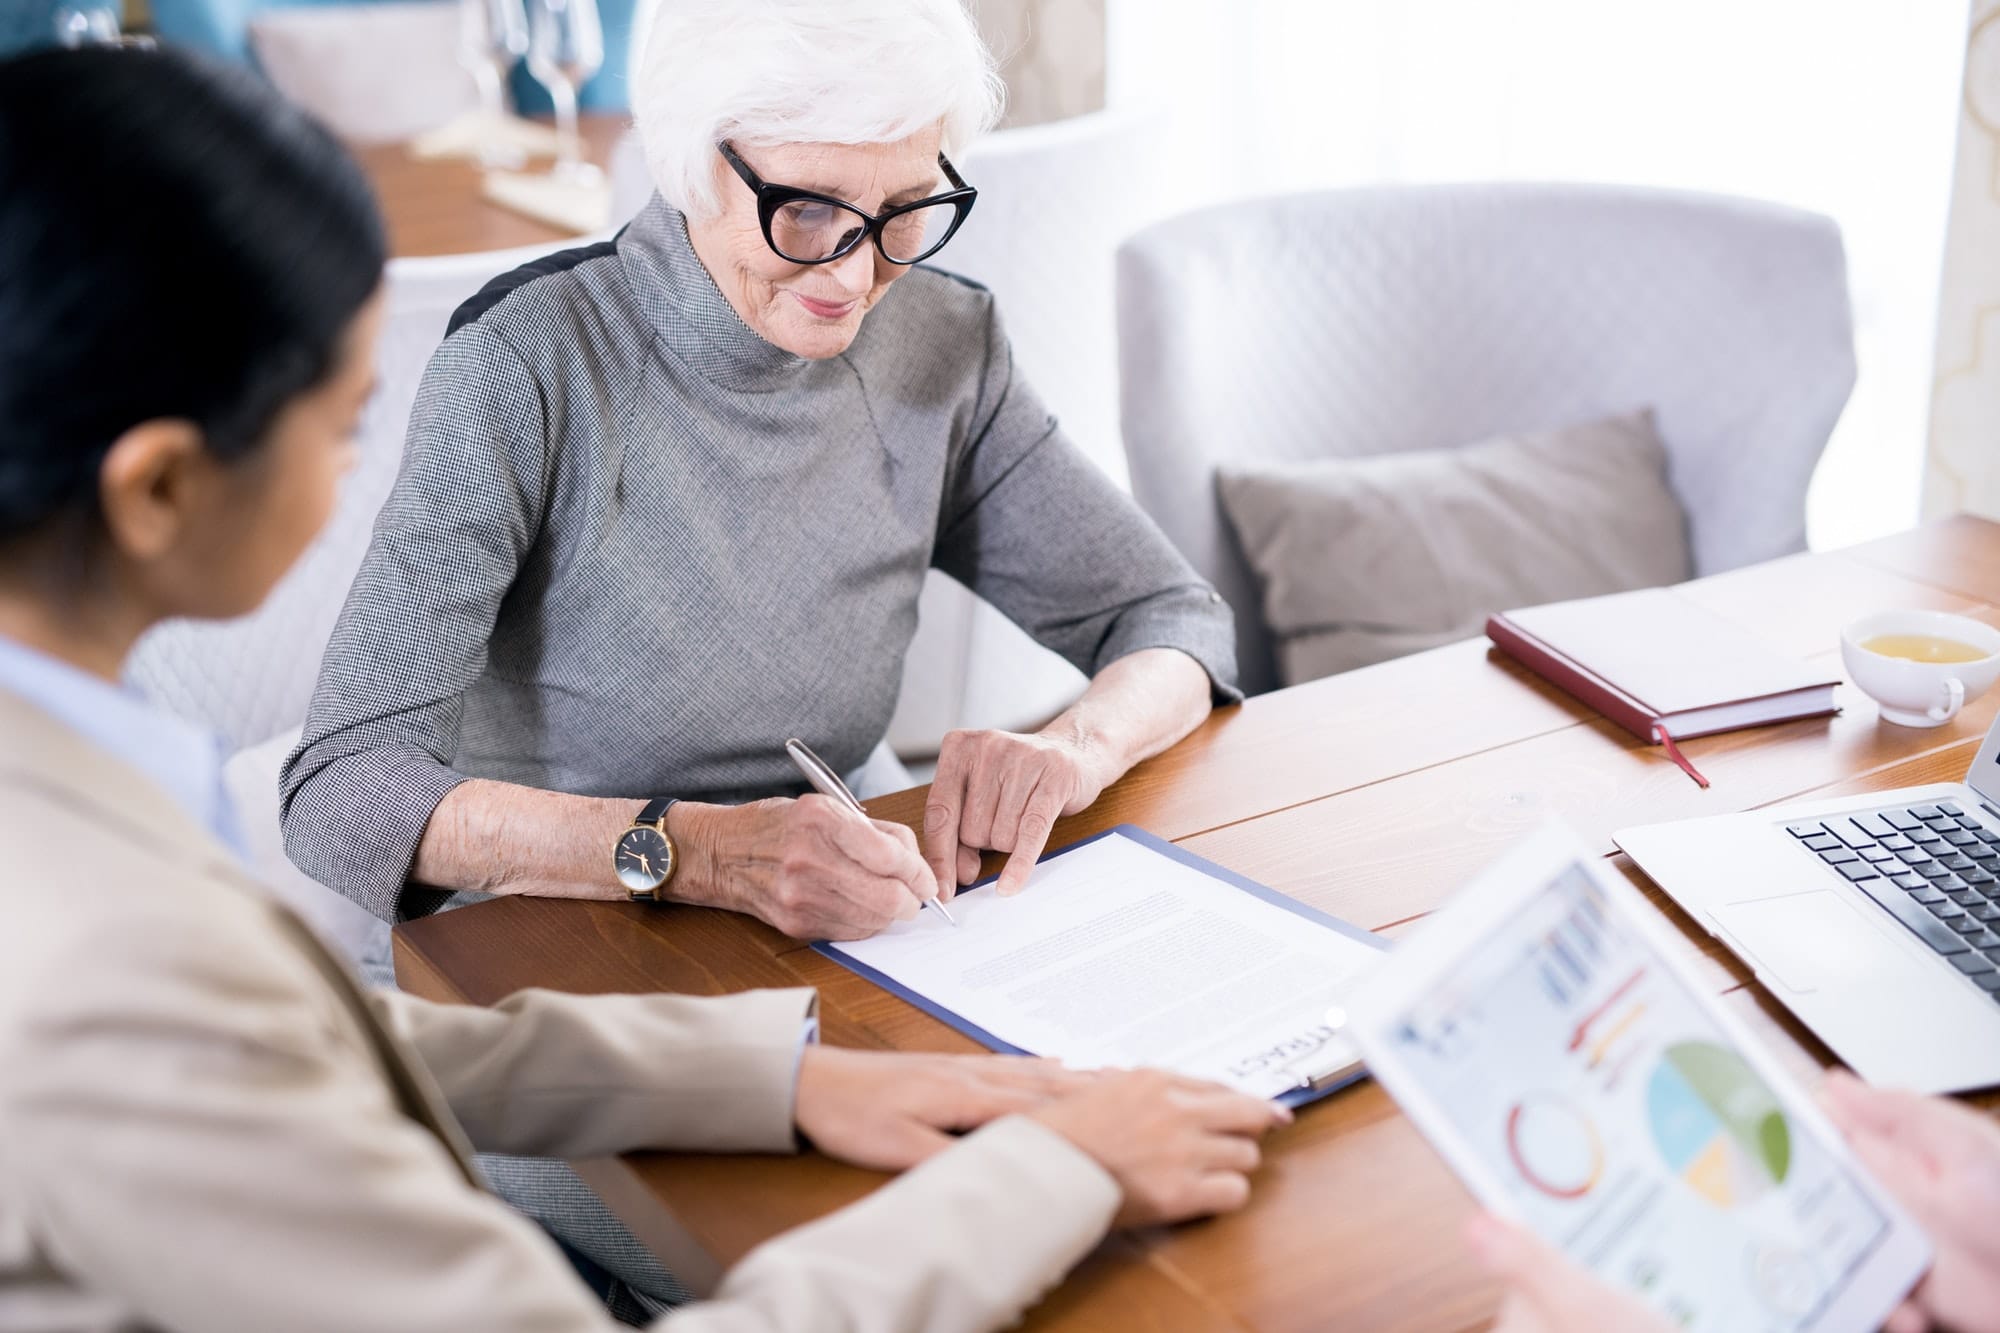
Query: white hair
{"type": "Point", "coordinates": [770, 72]}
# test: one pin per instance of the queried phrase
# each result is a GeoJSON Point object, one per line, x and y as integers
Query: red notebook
{"type": "Point", "coordinates": [1662, 667]}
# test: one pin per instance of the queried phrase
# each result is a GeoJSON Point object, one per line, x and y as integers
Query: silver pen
{"type": "Point", "coordinates": [827, 783]}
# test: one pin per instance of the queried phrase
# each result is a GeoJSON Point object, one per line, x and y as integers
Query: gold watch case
{"type": "Point", "coordinates": [644, 859]}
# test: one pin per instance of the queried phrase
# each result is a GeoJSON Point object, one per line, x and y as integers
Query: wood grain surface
{"type": "Point", "coordinates": [434, 206]}
{"type": "Point", "coordinates": [1371, 795]}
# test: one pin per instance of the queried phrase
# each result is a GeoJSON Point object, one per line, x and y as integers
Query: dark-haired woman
{"type": "Point", "coordinates": [204, 1123]}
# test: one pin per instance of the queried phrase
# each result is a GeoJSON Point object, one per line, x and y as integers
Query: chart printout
{"type": "Point", "coordinates": [1626, 1128]}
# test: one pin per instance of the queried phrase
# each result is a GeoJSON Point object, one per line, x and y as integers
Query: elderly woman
{"type": "Point", "coordinates": [670, 499]}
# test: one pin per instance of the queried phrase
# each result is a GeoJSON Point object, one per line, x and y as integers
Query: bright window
{"type": "Point", "coordinates": [1845, 107]}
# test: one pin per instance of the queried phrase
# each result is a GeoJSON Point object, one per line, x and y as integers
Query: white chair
{"type": "Point", "coordinates": [1055, 201]}
{"type": "Point", "coordinates": [631, 178]}
{"type": "Point", "coordinates": [1366, 321]}
{"type": "Point", "coordinates": [374, 73]}
{"type": "Point", "coordinates": [249, 680]}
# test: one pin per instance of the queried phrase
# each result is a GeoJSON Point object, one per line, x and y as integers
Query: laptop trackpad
{"type": "Point", "coordinates": [1811, 941]}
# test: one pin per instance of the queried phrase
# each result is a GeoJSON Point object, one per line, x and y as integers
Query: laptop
{"type": "Point", "coordinates": [1875, 919]}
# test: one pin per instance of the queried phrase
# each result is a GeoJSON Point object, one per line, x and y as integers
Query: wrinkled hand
{"type": "Point", "coordinates": [888, 1111]}
{"type": "Point", "coordinates": [1178, 1147]}
{"type": "Point", "coordinates": [1546, 1292]}
{"type": "Point", "coordinates": [1003, 790]}
{"type": "Point", "coordinates": [816, 870]}
{"type": "Point", "coordinates": [1942, 1162]}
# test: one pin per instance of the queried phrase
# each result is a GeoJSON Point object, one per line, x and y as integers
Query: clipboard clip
{"type": "Point", "coordinates": [1313, 1077]}
{"type": "Point", "coordinates": [1314, 1069]}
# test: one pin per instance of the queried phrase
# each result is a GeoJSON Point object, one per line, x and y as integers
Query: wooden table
{"type": "Point", "coordinates": [434, 207]}
{"type": "Point", "coordinates": [1372, 796]}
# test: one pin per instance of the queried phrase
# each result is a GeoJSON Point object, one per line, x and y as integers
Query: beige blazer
{"type": "Point", "coordinates": [205, 1124]}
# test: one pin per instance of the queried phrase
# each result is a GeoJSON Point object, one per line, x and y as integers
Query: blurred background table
{"type": "Point", "coordinates": [1372, 796]}
{"type": "Point", "coordinates": [434, 206]}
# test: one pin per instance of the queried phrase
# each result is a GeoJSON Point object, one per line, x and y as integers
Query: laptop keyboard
{"type": "Point", "coordinates": [1934, 868]}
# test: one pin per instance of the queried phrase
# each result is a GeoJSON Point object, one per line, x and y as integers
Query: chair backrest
{"type": "Point", "coordinates": [1055, 202]}
{"type": "Point", "coordinates": [631, 179]}
{"type": "Point", "coordinates": [251, 678]}
{"type": "Point", "coordinates": [372, 73]}
{"type": "Point", "coordinates": [1358, 322]}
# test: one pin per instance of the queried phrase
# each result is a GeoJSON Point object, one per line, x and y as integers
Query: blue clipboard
{"type": "Point", "coordinates": [1296, 1097]}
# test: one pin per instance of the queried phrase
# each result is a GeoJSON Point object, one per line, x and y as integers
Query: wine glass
{"type": "Point", "coordinates": [492, 35]}
{"type": "Point", "coordinates": [565, 47]}
{"type": "Point", "coordinates": [88, 23]}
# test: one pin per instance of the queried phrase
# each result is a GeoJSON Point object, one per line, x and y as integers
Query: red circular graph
{"type": "Point", "coordinates": [1554, 1147]}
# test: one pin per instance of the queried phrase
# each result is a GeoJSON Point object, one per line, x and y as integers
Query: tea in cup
{"type": "Point", "coordinates": [1921, 666]}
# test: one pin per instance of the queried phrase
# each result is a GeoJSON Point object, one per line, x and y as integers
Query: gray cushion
{"type": "Point", "coordinates": [1364, 559]}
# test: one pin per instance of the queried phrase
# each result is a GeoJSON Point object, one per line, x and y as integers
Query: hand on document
{"type": "Point", "coordinates": [1004, 791]}
{"type": "Point", "coordinates": [1178, 1147]}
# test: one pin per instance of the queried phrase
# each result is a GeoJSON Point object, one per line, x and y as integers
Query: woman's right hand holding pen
{"type": "Point", "coordinates": [809, 867]}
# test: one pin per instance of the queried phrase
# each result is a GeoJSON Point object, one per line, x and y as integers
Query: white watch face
{"type": "Point", "coordinates": [645, 859]}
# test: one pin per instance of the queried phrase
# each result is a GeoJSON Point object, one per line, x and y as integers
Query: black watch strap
{"type": "Point", "coordinates": [656, 812]}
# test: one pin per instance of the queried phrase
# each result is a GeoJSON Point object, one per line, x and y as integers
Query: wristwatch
{"type": "Point", "coordinates": [644, 857]}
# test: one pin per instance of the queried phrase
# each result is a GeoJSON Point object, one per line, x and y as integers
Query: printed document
{"type": "Point", "coordinates": [1118, 954]}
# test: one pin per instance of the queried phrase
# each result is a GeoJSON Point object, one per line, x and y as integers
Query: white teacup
{"type": "Point", "coordinates": [1918, 693]}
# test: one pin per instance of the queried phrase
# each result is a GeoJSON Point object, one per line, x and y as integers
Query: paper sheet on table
{"type": "Point", "coordinates": [576, 204]}
{"type": "Point", "coordinates": [1125, 951]}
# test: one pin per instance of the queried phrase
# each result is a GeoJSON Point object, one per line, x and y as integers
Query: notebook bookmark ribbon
{"type": "Point", "coordinates": [1674, 753]}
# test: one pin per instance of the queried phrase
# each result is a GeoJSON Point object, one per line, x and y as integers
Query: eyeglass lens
{"type": "Point", "coordinates": [808, 231]}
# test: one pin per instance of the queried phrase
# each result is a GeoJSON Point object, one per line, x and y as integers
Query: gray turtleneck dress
{"type": "Point", "coordinates": [633, 546]}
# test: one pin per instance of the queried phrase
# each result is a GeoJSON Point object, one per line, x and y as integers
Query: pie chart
{"type": "Point", "coordinates": [1717, 1125]}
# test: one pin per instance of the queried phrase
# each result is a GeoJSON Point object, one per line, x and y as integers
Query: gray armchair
{"type": "Point", "coordinates": [1358, 322]}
